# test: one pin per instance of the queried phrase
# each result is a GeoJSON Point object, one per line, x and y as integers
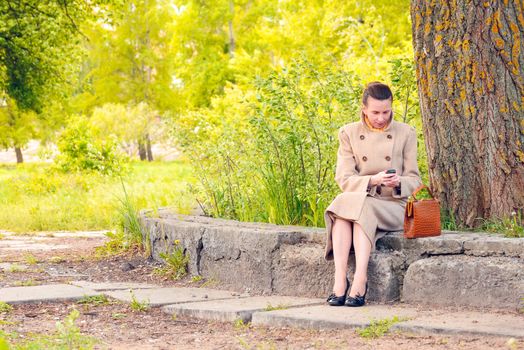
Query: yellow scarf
{"type": "Point", "coordinates": [368, 123]}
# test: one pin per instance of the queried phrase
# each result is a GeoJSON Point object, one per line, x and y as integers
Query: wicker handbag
{"type": "Point", "coordinates": [422, 216]}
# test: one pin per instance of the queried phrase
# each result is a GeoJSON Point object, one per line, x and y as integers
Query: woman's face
{"type": "Point", "coordinates": [378, 112]}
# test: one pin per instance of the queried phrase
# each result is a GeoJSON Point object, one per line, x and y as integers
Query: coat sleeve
{"type": "Point", "coordinates": [346, 174]}
{"type": "Point", "coordinates": [410, 178]}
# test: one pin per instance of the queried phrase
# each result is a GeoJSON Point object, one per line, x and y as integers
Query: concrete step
{"type": "Point", "coordinates": [414, 320]}
{"type": "Point", "coordinates": [109, 286]}
{"type": "Point", "coordinates": [166, 296]}
{"type": "Point", "coordinates": [228, 310]}
{"type": "Point", "coordinates": [44, 293]}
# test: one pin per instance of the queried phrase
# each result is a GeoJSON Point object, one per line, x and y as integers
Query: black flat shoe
{"type": "Point", "coordinates": [333, 300]}
{"type": "Point", "coordinates": [358, 300]}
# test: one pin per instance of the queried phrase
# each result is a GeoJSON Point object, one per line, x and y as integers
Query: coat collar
{"type": "Point", "coordinates": [387, 128]}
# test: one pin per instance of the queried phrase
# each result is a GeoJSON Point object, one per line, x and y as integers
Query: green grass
{"type": "Point", "coordinates": [118, 316]}
{"type": "Point", "coordinates": [270, 307]}
{"type": "Point", "coordinates": [57, 259]}
{"type": "Point", "coordinates": [5, 307]}
{"type": "Point", "coordinates": [31, 259]}
{"type": "Point", "coordinates": [378, 328]}
{"type": "Point", "coordinates": [35, 197]}
{"type": "Point", "coordinates": [175, 263]}
{"type": "Point", "coordinates": [509, 227]}
{"type": "Point", "coordinates": [66, 336]}
{"type": "Point", "coordinates": [94, 300]}
{"type": "Point", "coordinates": [138, 306]}
{"type": "Point", "coordinates": [16, 268]}
{"type": "Point", "coordinates": [239, 324]}
{"type": "Point", "coordinates": [26, 283]}
{"type": "Point", "coordinates": [196, 278]}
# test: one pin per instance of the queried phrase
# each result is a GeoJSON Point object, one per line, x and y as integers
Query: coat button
{"type": "Point", "coordinates": [389, 136]}
{"type": "Point", "coordinates": [364, 158]}
{"type": "Point", "coordinates": [362, 137]}
{"type": "Point", "coordinates": [388, 158]}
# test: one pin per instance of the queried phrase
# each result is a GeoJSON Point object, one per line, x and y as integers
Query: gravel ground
{"type": "Point", "coordinates": [116, 326]}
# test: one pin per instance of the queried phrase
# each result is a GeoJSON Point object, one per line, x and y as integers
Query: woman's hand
{"type": "Point", "coordinates": [389, 180]}
{"type": "Point", "coordinates": [392, 181]}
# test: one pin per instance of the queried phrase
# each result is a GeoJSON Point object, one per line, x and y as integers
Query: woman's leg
{"type": "Point", "coordinates": [341, 236]}
{"type": "Point", "coordinates": [362, 252]}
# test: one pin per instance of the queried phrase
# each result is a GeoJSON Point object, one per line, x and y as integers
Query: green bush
{"type": "Point", "coordinates": [268, 152]}
{"type": "Point", "coordinates": [80, 150]}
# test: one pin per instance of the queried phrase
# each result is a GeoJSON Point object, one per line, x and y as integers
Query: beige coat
{"type": "Point", "coordinates": [362, 153]}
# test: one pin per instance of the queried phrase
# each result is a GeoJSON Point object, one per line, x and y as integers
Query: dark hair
{"type": "Point", "coordinates": [378, 91]}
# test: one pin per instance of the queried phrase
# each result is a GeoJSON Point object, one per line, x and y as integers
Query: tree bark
{"type": "Point", "coordinates": [142, 150]}
{"type": "Point", "coordinates": [231, 34]}
{"type": "Point", "coordinates": [19, 155]}
{"type": "Point", "coordinates": [470, 58]}
{"type": "Point", "coordinates": [148, 149]}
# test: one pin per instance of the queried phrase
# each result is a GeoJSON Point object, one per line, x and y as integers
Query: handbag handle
{"type": "Point", "coordinates": [420, 188]}
{"type": "Point", "coordinates": [409, 204]}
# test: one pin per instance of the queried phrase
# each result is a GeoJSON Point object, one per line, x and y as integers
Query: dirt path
{"type": "Point", "coordinates": [53, 258]}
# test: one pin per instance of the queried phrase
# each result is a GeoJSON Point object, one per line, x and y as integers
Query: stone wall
{"type": "Point", "coordinates": [468, 269]}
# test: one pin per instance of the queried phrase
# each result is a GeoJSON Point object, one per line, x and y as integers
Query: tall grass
{"type": "Point", "coordinates": [129, 219]}
{"type": "Point", "coordinates": [35, 197]}
{"type": "Point", "coordinates": [268, 152]}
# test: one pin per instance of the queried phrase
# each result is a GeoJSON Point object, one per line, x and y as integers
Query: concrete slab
{"type": "Point", "coordinates": [415, 320]}
{"type": "Point", "coordinates": [13, 267]}
{"type": "Point", "coordinates": [470, 323]}
{"type": "Point", "coordinates": [240, 308]}
{"type": "Point", "coordinates": [28, 245]}
{"type": "Point", "coordinates": [166, 296]}
{"type": "Point", "coordinates": [44, 293]}
{"type": "Point", "coordinates": [76, 234]}
{"type": "Point", "coordinates": [108, 286]}
{"type": "Point", "coordinates": [51, 234]}
{"type": "Point", "coordinates": [325, 316]}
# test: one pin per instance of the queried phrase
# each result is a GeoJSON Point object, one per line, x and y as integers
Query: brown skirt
{"type": "Point", "coordinates": [378, 216]}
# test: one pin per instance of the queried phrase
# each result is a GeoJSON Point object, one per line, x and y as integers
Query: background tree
{"type": "Point", "coordinates": [17, 126]}
{"type": "Point", "coordinates": [38, 52]}
{"type": "Point", "coordinates": [130, 63]}
{"type": "Point", "coordinates": [469, 58]}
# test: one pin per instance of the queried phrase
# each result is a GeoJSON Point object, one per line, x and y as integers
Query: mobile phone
{"type": "Point", "coordinates": [391, 171]}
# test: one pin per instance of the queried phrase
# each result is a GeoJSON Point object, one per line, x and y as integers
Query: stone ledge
{"type": "Point", "coordinates": [454, 242]}
{"type": "Point", "coordinates": [466, 280]}
{"type": "Point", "coordinates": [262, 258]}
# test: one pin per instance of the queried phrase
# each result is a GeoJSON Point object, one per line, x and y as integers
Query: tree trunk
{"type": "Point", "coordinates": [470, 58]}
{"type": "Point", "coordinates": [231, 34]}
{"type": "Point", "coordinates": [142, 150]}
{"type": "Point", "coordinates": [19, 155]}
{"type": "Point", "coordinates": [148, 148]}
